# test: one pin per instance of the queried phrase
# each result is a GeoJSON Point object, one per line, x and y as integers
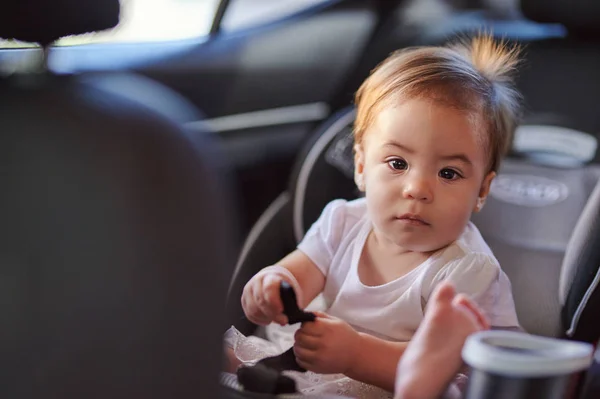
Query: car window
{"type": "Point", "coordinates": [164, 20]}
{"type": "Point", "coordinates": [149, 21]}
{"type": "Point", "coordinates": [241, 14]}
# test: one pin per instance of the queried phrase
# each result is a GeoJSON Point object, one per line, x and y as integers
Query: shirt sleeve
{"type": "Point", "coordinates": [323, 238]}
{"type": "Point", "coordinates": [481, 278]}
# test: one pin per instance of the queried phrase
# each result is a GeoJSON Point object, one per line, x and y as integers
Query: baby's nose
{"type": "Point", "coordinates": [418, 188]}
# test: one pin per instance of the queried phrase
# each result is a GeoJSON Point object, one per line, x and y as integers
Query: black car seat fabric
{"type": "Point", "coordinates": [115, 238]}
{"type": "Point", "coordinates": [331, 154]}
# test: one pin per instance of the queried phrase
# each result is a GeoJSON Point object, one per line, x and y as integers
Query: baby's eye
{"type": "Point", "coordinates": [398, 164]}
{"type": "Point", "coordinates": [449, 174]}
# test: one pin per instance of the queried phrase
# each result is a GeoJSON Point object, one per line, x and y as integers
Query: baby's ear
{"type": "Point", "coordinates": [487, 183]}
{"type": "Point", "coordinates": [359, 166]}
{"type": "Point", "coordinates": [484, 191]}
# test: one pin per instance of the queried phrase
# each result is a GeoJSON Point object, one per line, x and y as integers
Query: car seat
{"type": "Point", "coordinates": [519, 222]}
{"type": "Point", "coordinates": [115, 237]}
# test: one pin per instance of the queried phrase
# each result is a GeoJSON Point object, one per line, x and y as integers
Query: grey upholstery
{"type": "Point", "coordinates": [114, 242]}
{"type": "Point", "coordinates": [528, 221]}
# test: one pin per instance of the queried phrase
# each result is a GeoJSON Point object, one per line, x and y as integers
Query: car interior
{"type": "Point", "coordinates": [145, 184]}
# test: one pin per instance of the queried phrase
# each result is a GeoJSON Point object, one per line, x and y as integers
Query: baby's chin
{"type": "Point", "coordinates": [422, 246]}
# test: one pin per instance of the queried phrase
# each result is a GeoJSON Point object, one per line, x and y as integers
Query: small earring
{"type": "Point", "coordinates": [360, 183]}
{"type": "Point", "coordinates": [480, 203]}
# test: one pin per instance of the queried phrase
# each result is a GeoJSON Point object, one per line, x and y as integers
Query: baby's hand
{"type": "Point", "coordinates": [261, 299]}
{"type": "Point", "coordinates": [327, 345]}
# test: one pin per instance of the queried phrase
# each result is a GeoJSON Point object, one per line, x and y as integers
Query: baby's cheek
{"type": "Point", "coordinates": [457, 220]}
{"type": "Point", "coordinates": [379, 210]}
{"type": "Point", "coordinates": [377, 196]}
{"type": "Point", "coordinates": [374, 206]}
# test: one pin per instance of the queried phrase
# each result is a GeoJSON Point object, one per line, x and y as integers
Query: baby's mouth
{"type": "Point", "coordinates": [412, 219]}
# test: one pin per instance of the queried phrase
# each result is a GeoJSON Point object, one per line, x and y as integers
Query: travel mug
{"type": "Point", "coordinates": [516, 365]}
{"type": "Point", "coordinates": [591, 386]}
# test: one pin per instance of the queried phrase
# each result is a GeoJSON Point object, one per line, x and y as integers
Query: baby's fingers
{"type": "Point", "coordinates": [261, 300]}
{"type": "Point", "coordinates": [281, 319]}
{"type": "Point", "coordinates": [251, 304]}
{"type": "Point", "coordinates": [271, 291]}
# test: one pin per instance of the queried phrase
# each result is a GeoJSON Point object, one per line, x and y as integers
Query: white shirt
{"type": "Point", "coordinates": [394, 310]}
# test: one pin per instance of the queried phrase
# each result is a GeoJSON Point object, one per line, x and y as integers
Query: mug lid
{"type": "Point", "coordinates": [517, 354]}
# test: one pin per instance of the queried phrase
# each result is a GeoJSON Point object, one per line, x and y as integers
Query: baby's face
{"type": "Point", "coordinates": [423, 166]}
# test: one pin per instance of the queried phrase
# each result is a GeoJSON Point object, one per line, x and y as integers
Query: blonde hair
{"type": "Point", "coordinates": [474, 76]}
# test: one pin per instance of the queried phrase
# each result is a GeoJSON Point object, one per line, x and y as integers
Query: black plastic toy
{"type": "Point", "coordinates": [265, 376]}
{"type": "Point", "coordinates": [290, 305]}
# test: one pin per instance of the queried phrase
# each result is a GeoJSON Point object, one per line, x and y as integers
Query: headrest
{"type": "Point", "coordinates": [578, 16]}
{"type": "Point", "coordinates": [43, 22]}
